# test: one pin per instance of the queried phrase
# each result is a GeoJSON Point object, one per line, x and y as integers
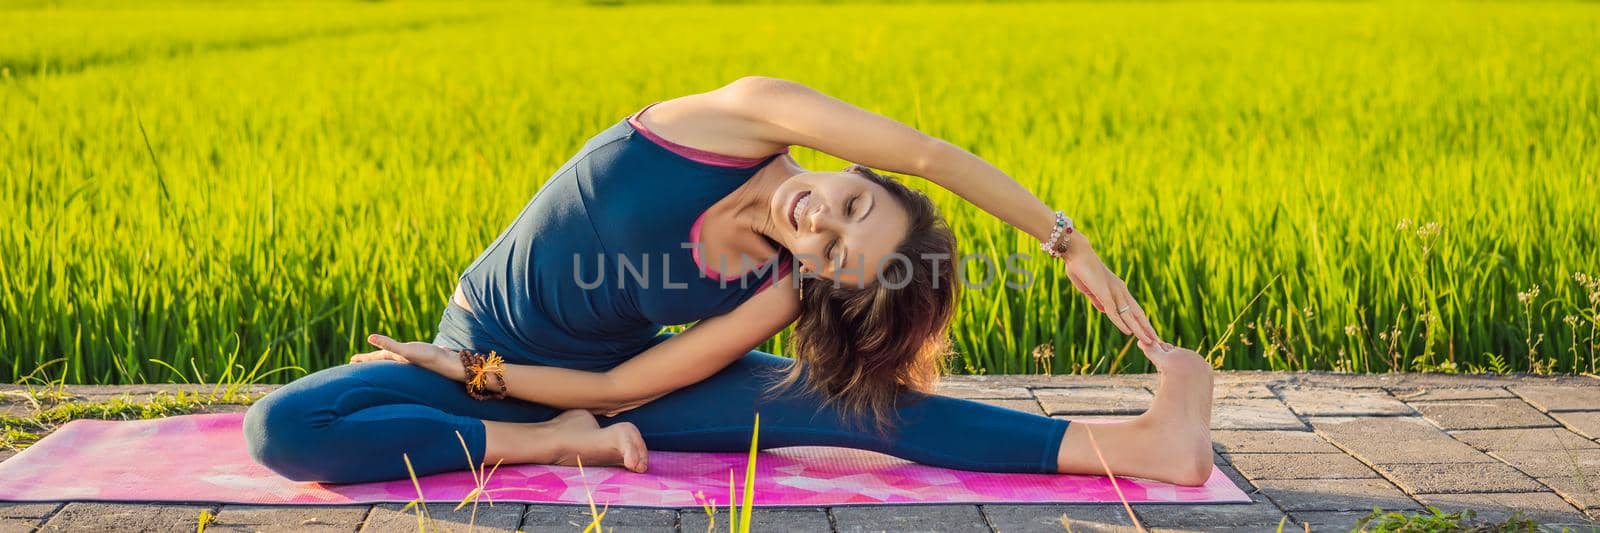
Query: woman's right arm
{"type": "Point", "coordinates": [553, 386]}
{"type": "Point", "coordinates": [685, 358]}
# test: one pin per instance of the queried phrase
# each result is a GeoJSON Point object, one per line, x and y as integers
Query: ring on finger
{"type": "Point", "coordinates": [1124, 309]}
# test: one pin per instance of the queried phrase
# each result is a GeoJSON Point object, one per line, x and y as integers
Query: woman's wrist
{"type": "Point", "coordinates": [1059, 241]}
{"type": "Point", "coordinates": [448, 364]}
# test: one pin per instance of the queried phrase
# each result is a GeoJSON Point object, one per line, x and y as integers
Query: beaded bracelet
{"type": "Point", "coordinates": [1056, 246]}
{"type": "Point", "coordinates": [479, 367]}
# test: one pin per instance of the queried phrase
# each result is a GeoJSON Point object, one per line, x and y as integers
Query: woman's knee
{"type": "Point", "coordinates": [284, 432]}
{"type": "Point", "coordinates": [290, 429]}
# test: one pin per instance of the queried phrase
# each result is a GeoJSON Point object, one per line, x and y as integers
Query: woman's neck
{"type": "Point", "coordinates": [741, 224]}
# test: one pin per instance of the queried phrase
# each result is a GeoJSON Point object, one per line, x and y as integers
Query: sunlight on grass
{"type": "Point", "coordinates": [1358, 186]}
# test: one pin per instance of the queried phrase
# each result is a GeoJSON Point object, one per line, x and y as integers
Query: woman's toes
{"type": "Point", "coordinates": [635, 456]}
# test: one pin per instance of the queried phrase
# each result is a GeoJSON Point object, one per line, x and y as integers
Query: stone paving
{"type": "Point", "coordinates": [1320, 449]}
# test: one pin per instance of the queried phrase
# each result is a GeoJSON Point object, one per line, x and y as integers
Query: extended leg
{"type": "Point", "coordinates": [716, 414]}
{"type": "Point", "coordinates": [1169, 443]}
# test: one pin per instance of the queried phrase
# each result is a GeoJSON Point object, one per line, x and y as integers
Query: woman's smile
{"type": "Point", "coordinates": [801, 201]}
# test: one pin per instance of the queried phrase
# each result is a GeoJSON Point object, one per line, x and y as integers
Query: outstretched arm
{"type": "Point", "coordinates": [781, 113]}
{"type": "Point", "coordinates": [685, 358]}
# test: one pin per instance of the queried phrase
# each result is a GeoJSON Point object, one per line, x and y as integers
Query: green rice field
{"type": "Point", "coordinates": [1348, 186]}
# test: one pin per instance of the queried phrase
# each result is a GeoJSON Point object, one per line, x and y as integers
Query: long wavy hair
{"type": "Point", "coordinates": [859, 347]}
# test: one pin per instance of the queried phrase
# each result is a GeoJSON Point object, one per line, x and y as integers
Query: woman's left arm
{"type": "Point", "coordinates": [783, 113]}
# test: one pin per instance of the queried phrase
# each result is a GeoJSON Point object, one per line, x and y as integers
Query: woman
{"type": "Point", "coordinates": [573, 295]}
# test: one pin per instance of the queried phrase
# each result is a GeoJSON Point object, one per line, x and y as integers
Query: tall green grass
{"type": "Point", "coordinates": [1351, 186]}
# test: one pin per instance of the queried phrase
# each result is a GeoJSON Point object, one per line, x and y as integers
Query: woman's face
{"type": "Point", "coordinates": [839, 225]}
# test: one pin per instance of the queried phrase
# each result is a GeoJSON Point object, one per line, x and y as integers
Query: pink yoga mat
{"type": "Point", "coordinates": [196, 458]}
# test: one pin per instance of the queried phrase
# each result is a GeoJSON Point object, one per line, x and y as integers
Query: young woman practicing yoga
{"type": "Point", "coordinates": [691, 210]}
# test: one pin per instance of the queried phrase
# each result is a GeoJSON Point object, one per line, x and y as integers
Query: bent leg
{"type": "Point", "coordinates": [718, 413]}
{"type": "Point", "coordinates": [352, 423]}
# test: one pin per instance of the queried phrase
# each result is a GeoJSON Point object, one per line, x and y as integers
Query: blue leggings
{"type": "Point", "coordinates": [350, 423]}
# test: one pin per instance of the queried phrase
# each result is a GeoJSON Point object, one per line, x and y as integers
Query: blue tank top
{"type": "Point", "coordinates": [601, 258]}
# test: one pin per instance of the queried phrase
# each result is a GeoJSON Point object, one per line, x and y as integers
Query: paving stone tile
{"type": "Point", "coordinates": [1326, 521]}
{"type": "Point", "coordinates": [1545, 507]}
{"type": "Point", "coordinates": [1096, 418]}
{"type": "Point", "coordinates": [27, 510]}
{"type": "Point", "coordinates": [1554, 462]}
{"type": "Point", "coordinates": [1586, 423]}
{"type": "Point", "coordinates": [855, 519]}
{"type": "Point", "coordinates": [1233, 442]}
{"type": "Point", "coordinates": [1396, 439]}
{"type": "Point", "coordinates": [1253, 414]}
{"type": "Point", "coordinates": [1241, 391]}
{"type": "Point", "coordinates": [98, 392]}
{"type": "Point", "coordinates": [1459, 478]}
{"type": "Point", "coordinates": [1260, 513]}
{"type": "Point", "coordinates": [289, 518]}
{"type": "Point", "coordinates": [500, 517]}
{"type": "Point", "coordinates": [1432, 380]}
{"type": "Point", "coordinates": [1047, 518]}
{"type": "Point", "coordinates": [121, 517]}
{"type": "Point", "coordinates": [1338, 380]}
{"type": "Point", "coordinates": [1238, 479]}
{"type": "Point", "coordinates": [1583, 492]}
{"type": "Point", "coordinates": [976, 391]}
{"type": "Point", "coordinates": [1432, 394]}
{"type": "Point", "coordinates": [1076, 380]}
{"type": "Point", "coordinates": [1095, 400]}
{"type": "Point", "coordinates": [221, 408]}
{"type": "Point", "coordinates": [1335, 494]}
{"type": "Point", "coordinates": [787, 520]}
{"type": "Point", "coordinates": [6, 454]}
{"type": "Point", "coordinates": [1027, 406]}
{"type": "Point", "coordinates": [1211, 529]}
{"type": "Point", "coordinates": [1525, 439]}
{"type": "Point", "coordinates": [557, 518]}
{"type": "Point", "coordinates": [1311, 401]}
{"type": "Point", "coordinates": [18, 525]}
{"type": "Point", "coordinates": [1483, 414]}
{"type": "Point", "coordinates": [1258, 466]}
{"type": "Point", "coordinates": [16, 410]}
{"type": "Point", "coordinates": [1560, 398]}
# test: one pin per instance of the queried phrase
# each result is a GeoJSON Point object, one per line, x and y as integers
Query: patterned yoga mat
{"type": "Point", "coordinates": [203, 458]}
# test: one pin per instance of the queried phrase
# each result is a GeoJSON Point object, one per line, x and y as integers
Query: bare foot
{"type": "Point", "coordinates": [582, 438]}
{"type": "Point", "coordinates": [1170, 442]}
{"type": "Point", "coordinates": [564, 440]}
{"type": "Point", "coordinates": [1181, 412]}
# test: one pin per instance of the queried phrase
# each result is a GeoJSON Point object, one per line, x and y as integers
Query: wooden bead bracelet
{"type": "Point", "coordinates": [479, 368]}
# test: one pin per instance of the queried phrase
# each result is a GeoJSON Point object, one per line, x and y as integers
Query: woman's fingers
{"type": "Point", "coordinates": [384, 342]}
{"type": "Point", "coordinates": [1084, 288]}
{"type": "Point", "coordinates": [1136, 316]}
{"type": "Point", "coordinates": [1118, 316]}
{"type": "Point", "coordinates": [378, 355]}
{"type": "Point", "coordinates": [1104, 291]}
{"type": "Point", "coordinates": [1143, 322]}
{"type": "Point", "coordinates": [1129, 311]}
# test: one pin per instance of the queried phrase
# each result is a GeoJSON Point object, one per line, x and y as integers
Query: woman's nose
{"type": "Point", "coordinates": [821, 218]}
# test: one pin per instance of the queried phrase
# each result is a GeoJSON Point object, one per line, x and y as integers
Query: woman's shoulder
{"type": "Point", "coordinates": [709, 122]}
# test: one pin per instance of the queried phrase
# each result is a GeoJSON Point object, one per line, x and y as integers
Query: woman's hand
{"type": "Point", "coordinates": [1108, 293]}
{"type": "Point", "coordinates": [432, 357]}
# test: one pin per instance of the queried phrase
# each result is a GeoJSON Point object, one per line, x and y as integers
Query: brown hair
{"type": "Point", "coordinates": [860, 346]}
